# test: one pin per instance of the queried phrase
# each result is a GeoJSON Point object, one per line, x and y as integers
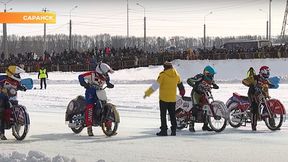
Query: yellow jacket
{"type": "Point", "coordinates": [255, 80]}
{"type": "Point", "coordinates": [167, 82]}
{"type": "Point", "coordinates": [42, 74]}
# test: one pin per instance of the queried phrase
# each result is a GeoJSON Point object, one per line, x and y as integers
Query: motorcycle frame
{"type": "Point", "coordinates": [244, 107]}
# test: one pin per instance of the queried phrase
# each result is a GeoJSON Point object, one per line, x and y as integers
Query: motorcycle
{"type": "Point", "coordinates": [16, 117]}
{"type": "Point", "coordinates": [271, 111]}
{"type": "Point", "coordinates": [211, 110]}
{"type": "Point", "coordinates": [106, 116]}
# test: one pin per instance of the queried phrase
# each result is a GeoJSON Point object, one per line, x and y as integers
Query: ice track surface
{"type": "Point", "coordinates": [139, 121]}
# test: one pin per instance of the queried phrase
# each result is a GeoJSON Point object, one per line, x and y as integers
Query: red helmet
{"type": "Point", "coordinates": [264, 72]}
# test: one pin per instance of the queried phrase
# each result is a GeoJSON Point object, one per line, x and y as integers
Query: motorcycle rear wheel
{"type": "Point", "coordinates": [180, 125]}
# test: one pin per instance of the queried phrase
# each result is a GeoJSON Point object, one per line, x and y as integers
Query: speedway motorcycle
{"type": "Point", "coordinates": [211, 110]}
{"type": "Point", "coordinates": [16, 117]}
{"type": "Point", "coordinates": [107, 116]}
{"type": "Point", "coordinates": [271, 111]}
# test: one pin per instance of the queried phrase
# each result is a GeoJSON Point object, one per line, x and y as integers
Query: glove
{"type": "Point", "coordinates": [182, 92]}
{"type": "Point", "coordinates": [22, 88]}
{"type": "Point", "coordinates": [215, 86]}
{"type": "Point", "coordinates": [181, 89]}
{"type": "Point", "coordinates": [110, 85]}
{"type": "Point", "coordinates": [86, 85]}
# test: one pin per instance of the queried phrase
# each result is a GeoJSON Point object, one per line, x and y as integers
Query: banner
{"type": "Point", "coordinates": [28, 17]}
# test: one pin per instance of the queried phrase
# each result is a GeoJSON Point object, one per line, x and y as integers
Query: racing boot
{"type": "Point", "coordinates": [254, 122]}
{"type": "Point", "coordinates": [173, 131]}
{"type": "Point", "coordinates": [90, 131]}
{"type": "Point", "coordinates": [191, 127]}
{"type": "Point", "coordinates": [163, 132]}
{"type": "Point", "coordinates": [108, 125]}
{"type": "Point", "coordinates": [272, 122]}
{"type": "Point", "coordinates": [2, 137]}
{"type": "Point", "coordinates": [206, 127]}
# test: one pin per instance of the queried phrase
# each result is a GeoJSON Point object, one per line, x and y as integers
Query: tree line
{"type": "Point", "coordinates": [60, 42]}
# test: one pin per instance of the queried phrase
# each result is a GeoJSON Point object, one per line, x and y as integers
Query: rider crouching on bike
{"type": "Point", "coordinates": [257, 84]}
{"type": "Point", "coordinates": [12, 79]}
{"type": "Point", "coordinates": [94, 81]}
{"type": "Point", "coordinates": [199, 83]}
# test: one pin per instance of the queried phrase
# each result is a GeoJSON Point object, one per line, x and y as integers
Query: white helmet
{"type": "Point", "coordinates": [104, 69]}
{"type": "Point", "coordinates": [14, 72]}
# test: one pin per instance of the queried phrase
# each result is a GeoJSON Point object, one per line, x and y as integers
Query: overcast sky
{"type": "Point", "coordinates": [164, 17]}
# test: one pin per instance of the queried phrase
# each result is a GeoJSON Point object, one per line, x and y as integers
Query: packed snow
{"type": "Point", "coordinates": [50, 136]}
{"type": "Point", "coordinates": [32, 156]}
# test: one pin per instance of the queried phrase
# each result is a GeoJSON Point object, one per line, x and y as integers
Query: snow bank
{"type": "Point", "coordinates": [232, 70]}
{"type": "Point", "coordinates": [33, 156]}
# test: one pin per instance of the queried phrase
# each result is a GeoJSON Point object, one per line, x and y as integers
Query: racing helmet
{"type": "Point", "coordinates": [13, 72]}
{"type": "Point", "coordinates": [103, 69]}
{"type": "Point", "coordinates": [209, 73]}
{"type": "Point", "coordinates": [264, 72]}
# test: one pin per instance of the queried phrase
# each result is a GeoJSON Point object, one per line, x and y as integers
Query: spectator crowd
{"type": "Point", "coordinates": [131, 57]}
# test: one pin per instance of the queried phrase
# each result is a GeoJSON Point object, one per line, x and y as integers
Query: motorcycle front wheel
{"type": "Point", "coordinates": [275, 122]}
{"type": "Point", "coordinates": [218, 123]}
{"type": "Point", "coordinates": [77, 130]}
{"type": "Point", "coordinates": [21, 124]}
{"type": "Point", "coordinates": [110, 120]}
{"type": "Point", "coordinates": [20, 131]}
{"type": "Point", "coordinates": [235, 116]}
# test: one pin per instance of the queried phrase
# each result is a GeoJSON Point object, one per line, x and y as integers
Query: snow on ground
{"type": "Point", "coordinates": [136, 139]}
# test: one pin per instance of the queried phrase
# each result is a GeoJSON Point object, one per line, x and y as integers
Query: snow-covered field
{"type": "Point", "coordinates": [136, 139]}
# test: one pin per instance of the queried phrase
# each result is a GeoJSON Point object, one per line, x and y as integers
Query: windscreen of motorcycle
{"type": "Point", "coordinates": [101, 94]}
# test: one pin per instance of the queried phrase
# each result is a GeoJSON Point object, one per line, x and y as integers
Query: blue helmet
{"type": "Point", "coordinates": [209, 73]}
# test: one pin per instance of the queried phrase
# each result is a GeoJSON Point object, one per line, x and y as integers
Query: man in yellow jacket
{"type": "Point", "coordinates": [42, 75]}
{"type": "Point", "coordinates": [167, 82]}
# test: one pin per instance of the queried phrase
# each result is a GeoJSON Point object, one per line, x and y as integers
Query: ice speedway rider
{"type": "Point", "coordinates": [93, 81]}
{"type": "Point", "coordinates": [256, 84]}
{"type": "Point", "coordinates": [199, 83]}
{"type": "Point", "coordinates": [12, 79]}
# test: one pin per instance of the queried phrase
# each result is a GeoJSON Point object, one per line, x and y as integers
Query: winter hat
{"type": "Point", "coordinates": [167, 65]}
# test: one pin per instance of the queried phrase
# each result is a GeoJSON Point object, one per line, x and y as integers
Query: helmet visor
{"type": "Point", "coordinates": [209, 76]}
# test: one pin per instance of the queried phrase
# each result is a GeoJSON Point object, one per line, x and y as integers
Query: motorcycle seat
{"type": "Point", "coordinates": [185, 98]}
{"type": "Point", "coordinates": [240, 97]}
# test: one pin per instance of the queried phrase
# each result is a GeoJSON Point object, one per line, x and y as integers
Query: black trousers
{"type": "Point", "coordinates": [254, 106]}
{"type": "Point", "coordinates": [170, 106]}
{"type": "Point", "coordinates": [41, 83]}
{"type": "Point", "coordinates": [2, 128]}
